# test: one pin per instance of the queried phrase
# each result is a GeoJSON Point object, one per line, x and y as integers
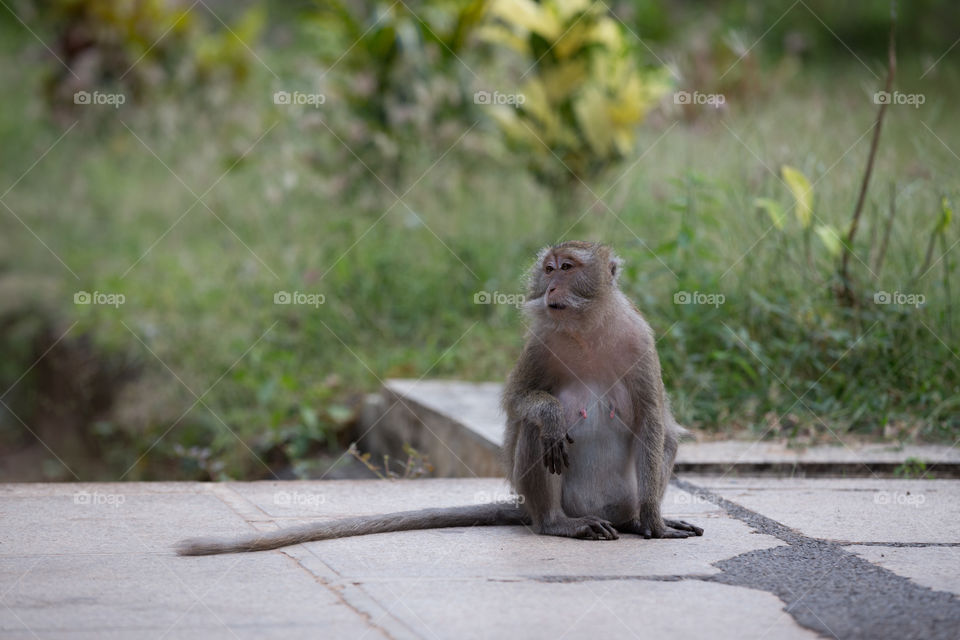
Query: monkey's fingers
{"type": "Point", "coordinates": [601, 529]}
{"type": "Point", "coordinates": [610, 531]}
{"type": "Point", "coordinates": [674, 533]}
{"type": "Point", "coordinates": [555, 456]}
{"type": "Point", "coordinates": [683, 525]}
{"type": "Point", "coordinates": [550, 459]}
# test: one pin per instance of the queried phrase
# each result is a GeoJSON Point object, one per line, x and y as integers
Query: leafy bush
{"type": "Point", "coordinates": [136, 46]}
{"type": "Point", "coordinates": [576, 114]}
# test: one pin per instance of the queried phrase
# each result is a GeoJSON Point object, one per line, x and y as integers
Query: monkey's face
{"type": "Point", "coordinates": [567, 279]}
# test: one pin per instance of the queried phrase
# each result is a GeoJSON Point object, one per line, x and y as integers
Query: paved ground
{"type": "Point", "coordinates": [857, 558]}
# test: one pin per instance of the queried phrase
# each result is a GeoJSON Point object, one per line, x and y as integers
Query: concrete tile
{"type": "Point", "coordinates": [144, 594]}
{"type": "Point", "coordinates": [37, 489]}
{"type": "Point", "coordinates": [109, 520]}
{"type": "Point", "coordinates": [774, 451]}
{"type": "Point", "coordinates": [855, 510]}
{"type": "Point", "coordinates": [934, 567]}
{"type": "Point", "coordinates": [443, 608]}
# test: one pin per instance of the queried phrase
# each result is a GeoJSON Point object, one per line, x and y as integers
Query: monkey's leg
{"type": "Point", "coordinates": [541, 494]}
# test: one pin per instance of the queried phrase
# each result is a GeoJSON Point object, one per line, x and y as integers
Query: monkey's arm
{"type": "Point", "coordinates": [529, 406]}
{"type": "Point", "coordinates": [647, 395]}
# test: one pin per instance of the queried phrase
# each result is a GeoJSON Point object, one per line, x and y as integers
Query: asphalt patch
{"type": "Point", "coordinates": [830, 590]}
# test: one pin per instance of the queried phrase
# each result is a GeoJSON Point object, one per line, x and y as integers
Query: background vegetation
{"type": "Point", "coordinates": [399, 198]}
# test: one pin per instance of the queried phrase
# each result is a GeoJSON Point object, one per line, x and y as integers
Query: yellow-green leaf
{"type": "Point", "coordinates": [802, 193]}
{"type": "Point", "coordinates": [594, 118]}
{"type": "Point", "coordinates": [830, 238]}
{"type": "Point", "coordinates": [563, 79]}
{"type": "Point", "coordinates": [773, 209]}
{"type": "Point", "coordinates": [946, 214]}
{"type": "Point", "coordinates": [528, 15]}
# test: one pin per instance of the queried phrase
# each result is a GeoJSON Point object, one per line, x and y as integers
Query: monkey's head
{"type": "Point", "coordinates": [568, 277]}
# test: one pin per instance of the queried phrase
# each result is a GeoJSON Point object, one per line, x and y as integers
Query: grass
{"type": "Point", "coordinates": [222, 373]}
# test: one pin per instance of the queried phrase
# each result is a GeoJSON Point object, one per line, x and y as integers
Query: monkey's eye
{"type": "Point", "coordinates": [548, 268]}
{"type": "Point", "coordinates": [566, 266]}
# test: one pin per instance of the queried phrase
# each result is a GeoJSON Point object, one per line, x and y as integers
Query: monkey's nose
{"type": "Point", "coordinates": [551, 289]}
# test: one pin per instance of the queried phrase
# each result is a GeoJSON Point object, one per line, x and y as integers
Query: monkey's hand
{"type": "Point", "coordinates": [555, 452]}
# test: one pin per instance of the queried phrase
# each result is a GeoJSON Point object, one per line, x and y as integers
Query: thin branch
{"type": "Point", "coordinates": [874, 143]}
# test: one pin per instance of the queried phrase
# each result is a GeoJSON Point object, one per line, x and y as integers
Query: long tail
{"type": "Point", "coordinates": [468, 516]}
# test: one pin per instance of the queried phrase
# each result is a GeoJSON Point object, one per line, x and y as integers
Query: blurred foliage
{"type": "Point", "coordinates": [199, 375]}
{"type": "Point", "coordinates": [577, 112]}
{"type": "Point", "coordinates": [137, 46]}
{"type": "Point", "coordinates": [397, 66]}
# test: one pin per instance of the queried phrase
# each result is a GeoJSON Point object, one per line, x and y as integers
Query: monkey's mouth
{"type": "Point", "coordinates": [557, 306]}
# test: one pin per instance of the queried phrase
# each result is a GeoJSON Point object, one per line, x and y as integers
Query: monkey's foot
{"type": "Point", "coordinates": [587, 528]}
{"type": "Point", "coordinates": [683, 525]}
{"type": "Point", "coordinates": [648, 531]}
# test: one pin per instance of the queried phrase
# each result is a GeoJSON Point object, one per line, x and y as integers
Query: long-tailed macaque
{"type": "Point", "coordinates": [590, 439]}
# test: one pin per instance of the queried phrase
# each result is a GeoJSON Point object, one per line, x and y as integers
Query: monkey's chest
{"type": "Point", "coordinates": [602, 476]}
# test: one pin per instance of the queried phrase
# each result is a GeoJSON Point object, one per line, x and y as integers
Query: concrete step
{"type": "Point", "coordinates": [459, 427]}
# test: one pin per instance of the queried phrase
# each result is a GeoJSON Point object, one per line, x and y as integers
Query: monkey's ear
{"type": "Point", "coordinates": [614, 267]}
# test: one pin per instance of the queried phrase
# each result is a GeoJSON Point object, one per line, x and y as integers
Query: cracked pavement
{"type": "Point", "coordinates": [854, 558]}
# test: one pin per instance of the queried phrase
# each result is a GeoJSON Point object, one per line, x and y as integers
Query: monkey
{"type": "Point", "coordinates": [590, 438]}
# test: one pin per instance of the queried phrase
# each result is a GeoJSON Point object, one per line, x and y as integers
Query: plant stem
{"type": "Point", "coordinates": [874, 143]}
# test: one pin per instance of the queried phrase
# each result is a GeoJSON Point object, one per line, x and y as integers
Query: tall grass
{"type": "Point", "coordinates": [291, 210]}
